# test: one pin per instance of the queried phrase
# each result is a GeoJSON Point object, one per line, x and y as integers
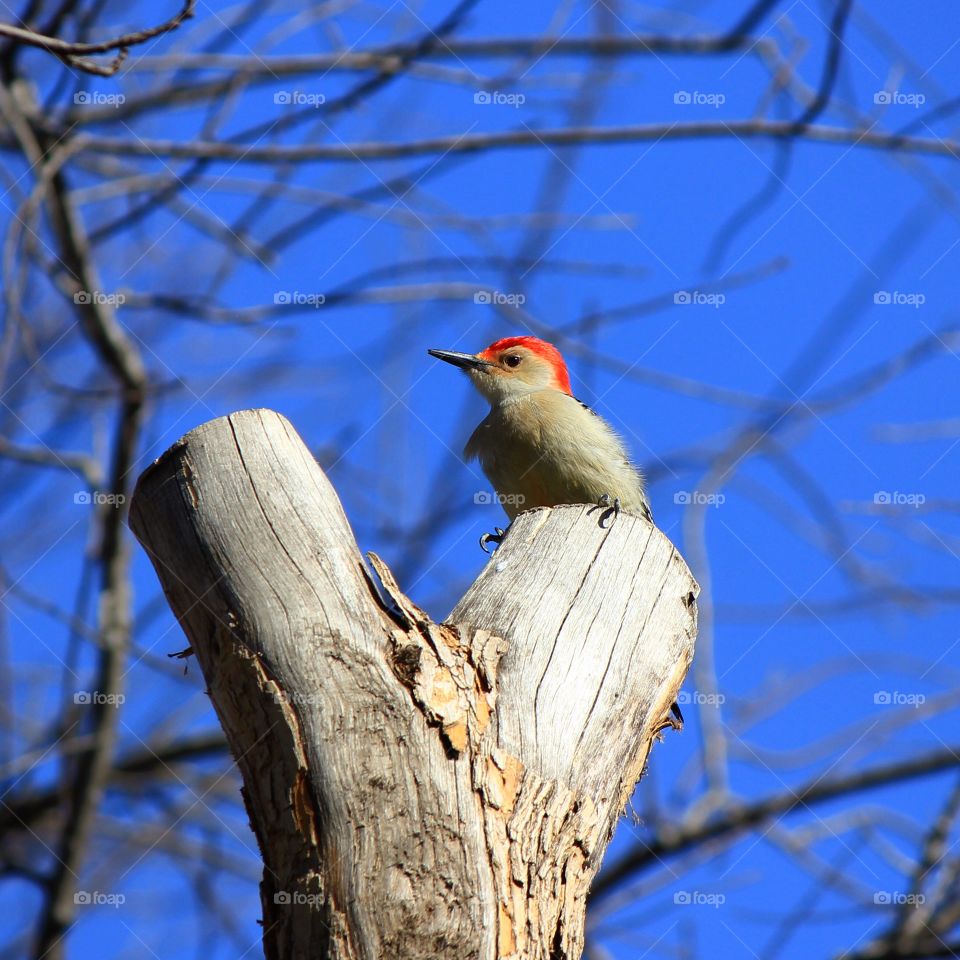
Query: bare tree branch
{"type": "Point", "coordinates": [75, 54]}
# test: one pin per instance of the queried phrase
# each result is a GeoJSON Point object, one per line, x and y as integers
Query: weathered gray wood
{"type": "Point", "coordinates": [418, 790]}
{"type": "Point", "coordinates": [581, 596]}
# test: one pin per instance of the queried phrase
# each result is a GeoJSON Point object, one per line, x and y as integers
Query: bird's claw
{"type": "Point", "coordinates": [610, 506]}
{"type": "Point", "coordinates": [495, 537]}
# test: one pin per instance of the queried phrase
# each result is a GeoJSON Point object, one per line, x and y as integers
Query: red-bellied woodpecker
{"type": "Point", "coordinates": [539, 445]}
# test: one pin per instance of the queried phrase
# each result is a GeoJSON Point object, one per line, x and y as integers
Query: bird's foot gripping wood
{"type": "Point", "coordinates": [611, 508]}
{"type": "Point", "coordinates": [495, 537]}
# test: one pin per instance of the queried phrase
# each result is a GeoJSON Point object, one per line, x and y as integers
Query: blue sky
{"type": "Point", "coordinates": [853, 261]}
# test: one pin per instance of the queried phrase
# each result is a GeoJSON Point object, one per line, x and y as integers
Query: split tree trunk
{"type": "Point", "coordinates": [418, 790]}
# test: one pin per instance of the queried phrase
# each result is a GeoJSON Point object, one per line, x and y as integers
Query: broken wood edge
{"type": "Point", "coordinates": [451, 674]}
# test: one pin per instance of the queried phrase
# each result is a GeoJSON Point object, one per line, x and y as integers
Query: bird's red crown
{"type": "Point", "coordinates": [541, 348]}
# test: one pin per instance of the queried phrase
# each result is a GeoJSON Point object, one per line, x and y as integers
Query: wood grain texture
{"type": "Point", "coordinates": [418, 790]}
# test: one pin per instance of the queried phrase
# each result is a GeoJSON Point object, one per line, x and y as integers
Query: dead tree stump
{"type": "Point", "coordinates": [418, 790]}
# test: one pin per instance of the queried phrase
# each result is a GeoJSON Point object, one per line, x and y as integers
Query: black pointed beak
{"type": "Point", "coordinates": [466, 361]}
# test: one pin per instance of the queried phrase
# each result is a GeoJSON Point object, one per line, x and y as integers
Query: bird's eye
{"type": "Point", "coordinates": [512, 361]}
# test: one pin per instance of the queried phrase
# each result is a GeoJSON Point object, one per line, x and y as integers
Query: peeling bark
{"type": "Point", "coordinates": [418, 789]}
